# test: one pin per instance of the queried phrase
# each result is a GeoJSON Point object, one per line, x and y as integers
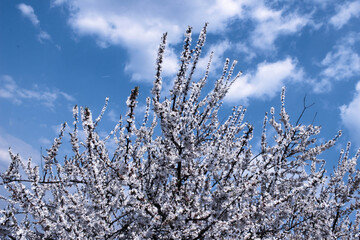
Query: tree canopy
{"type": "Point", "coordinates": [184, 174]}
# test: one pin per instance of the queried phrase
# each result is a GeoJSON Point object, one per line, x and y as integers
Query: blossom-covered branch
{"type": "Point", "coordinates": [183, 174]}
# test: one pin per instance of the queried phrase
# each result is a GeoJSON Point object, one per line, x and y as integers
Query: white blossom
{"type": "Point", "coordinates": [184, 174]}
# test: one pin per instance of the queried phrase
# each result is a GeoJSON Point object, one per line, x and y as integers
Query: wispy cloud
{"type": "Point", "coordinates": [43, 36]}
{"type": "Point", "coordinates": [273, 23]}
{"type": "Point", "coordinates": [139, 29]}
{"type": "Point", "coordinates": [28, 12]}
{"type": "Point", "coordinates": [244, 49]}
{"type": "Point", "coordinates": [350, 116]}
{"type": "Point", "coordinates": [341, 63]}
{"type": "Point", "coordinates": [265, 82]}
{"type": "Point", "coordinates": [11, 91]}
{"type": "Point", "coordinates": [17, 145]}
{"type": "Point", "coordinates": [115, 23]}
{"type": "Point", "coordinates": [345, 13]}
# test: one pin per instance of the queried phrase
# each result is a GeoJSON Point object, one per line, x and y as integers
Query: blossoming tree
{"type": "Point", "coordinates": [183, 174]}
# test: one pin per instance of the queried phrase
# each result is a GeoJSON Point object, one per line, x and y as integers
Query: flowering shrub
{"type": "Point", "coordinates": [182, 174]}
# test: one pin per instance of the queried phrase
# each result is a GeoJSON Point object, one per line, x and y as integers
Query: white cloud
{"type": "Point", "coordinates": [321, 3]}
{"type": "Point", "coordinates": [126, 20]}
{"type": "Point", "coordinates": [28, 12]}
{"type": "Point", "coordinates": [43, 36]}
{"type": "Point", "coordinates": [266, 82]}
{"type": "Point", "coordinates": [138, 25]}
{"type": "Point", "coordinates": [273, 23]}
{"type": "Point", "coordinates": [58, 2]}
{"type": "Point", "coordinates": [322, 86]}
{"type": "Point", "coordinates": [345, 13]}
{"type": "Point", "coordinates": [11, 91]}
{"type": "Point", "coordinates": [245, 49]}
{"type": "Point", "coordinates": [139, 28]}
{"type": "Point", "coordinates": [339, 64]}
{"type": "Point", "coordinates": [140, 40]}
{"type": "Point", "coordinates": [67, 97]}
{"type": "Point", "coordinates": [350, 116]}
{"type": "Point", "coordinates": [4, 156]}
{"type": "Point", "coordinates": [17, 146]}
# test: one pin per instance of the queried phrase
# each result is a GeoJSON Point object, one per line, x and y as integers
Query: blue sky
{"type": "Point", "coordinates": [55, 54]}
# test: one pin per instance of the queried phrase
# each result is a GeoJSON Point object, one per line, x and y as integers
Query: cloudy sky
{"type": "Point", "coordinates": [58, 53]}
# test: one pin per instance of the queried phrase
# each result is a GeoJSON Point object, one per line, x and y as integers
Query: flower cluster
{"type": "Point", "coordinates": [183, 174]}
